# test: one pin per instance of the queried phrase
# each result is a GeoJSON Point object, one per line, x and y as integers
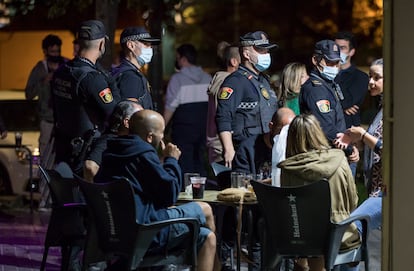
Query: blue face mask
{"type": "Point", "coordinates": [329, 73]}
{"type": "Point", "coordinates": [145, 57]}
{"type": "Point", "coordinates": [263, 62]}
{"type": "Point", "coordinates": [344, 58]}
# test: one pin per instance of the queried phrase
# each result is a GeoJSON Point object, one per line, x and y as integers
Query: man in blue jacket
{"type": "Point", "coordinates": [157, 184]}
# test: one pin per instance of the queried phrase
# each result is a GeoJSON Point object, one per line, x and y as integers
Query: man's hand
{"type": "Point", "coordinates": [171, 150]}
{"type": "Point", "coordinates": [228, 148]}
{"type": "Point", "coordinates": [228, 156]}
{"type": "Point", "coordinates": [352, 110]}
{"type": "Point", "coordinates": [354, 157]}
{"type": "Point", "coordinates": [342, 141]}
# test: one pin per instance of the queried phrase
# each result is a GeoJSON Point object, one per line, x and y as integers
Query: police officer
{"type": "Point", "coordinates": [246, 103]}
{"type": "Point", "coordinates": [136, 45]}
{"type": "Point", "coordinates": [321, 96]}
{"type": "Point", "coordinates": [83, 97]}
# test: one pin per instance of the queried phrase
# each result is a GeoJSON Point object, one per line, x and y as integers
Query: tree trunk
{"type": "Point", "coordinates": [107, 12]}
{"type": "Point", "coordinates": [155, 75]}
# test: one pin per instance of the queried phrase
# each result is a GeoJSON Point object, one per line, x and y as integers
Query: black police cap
{"type": "Point", "coordinates": [138, 33]}
{"type": "Point", "coordinates": [328, 49]}
{"type": "Point", "coordinates": [92, 30]}
{"type": "Point", "coordinates": [258, 39]}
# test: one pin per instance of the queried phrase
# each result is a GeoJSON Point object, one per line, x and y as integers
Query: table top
{"type": "Point", "coordinates": [210, 196]}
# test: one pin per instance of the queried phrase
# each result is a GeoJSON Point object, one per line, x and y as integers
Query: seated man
{"type": "Point", "coordinates": [118, 125]}
{"type": "Point", "coordinates": [157, 184]}
{"type": "Point", "coordinates": [276, 139]}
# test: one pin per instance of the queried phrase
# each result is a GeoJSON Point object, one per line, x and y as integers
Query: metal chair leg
{"type": "Point", "coordinates": [44, 258]}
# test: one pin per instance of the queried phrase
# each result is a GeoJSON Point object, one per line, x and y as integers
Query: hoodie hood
{"type": "Point", "coordinates": [196, 74]}
{"type": "Point", "coordinates": [313, 165]}
{"type": "Point", "coordinates": [216, 82]}
{"type": "Point", "coordinates": [127, 146]}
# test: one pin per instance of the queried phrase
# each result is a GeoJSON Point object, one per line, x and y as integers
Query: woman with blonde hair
{"type": "Point", "coordinates": [310, 158]}
{"type": "Point", "coordinates": [293, 76]}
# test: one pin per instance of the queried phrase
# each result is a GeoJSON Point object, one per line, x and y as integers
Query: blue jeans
{"type": "Point", "coordinates": [353, 167]}
{"type": "Point", "coordinates": [371, 207]}
{"type": "Point", "coordinates": [189, 210]}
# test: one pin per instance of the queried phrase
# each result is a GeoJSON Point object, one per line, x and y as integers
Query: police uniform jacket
{"type": "Point", "coordinates": [133, 84]}
{"type": "Point", "coordinates": [83, 98]}
{"type": "Point", "coordinates": [322, 99]}
{"type": "Point", "coordinates": [246, 103]}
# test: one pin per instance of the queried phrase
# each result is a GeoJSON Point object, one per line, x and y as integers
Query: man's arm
{"type": "Point", "coordinates": [171, 98]}
{"type": "Point", "coordinates": [320, 106]}
{"type": "Point", "coordinates": [38, 78]}
{"type": "Point", "coordinates": [162, 180]}
{"type": "Point", "coordinates": [228, 148]}
{"type": "Point", "coordinates": [168, 115]}
{"type": "Point", "coordinates": [98, 89]}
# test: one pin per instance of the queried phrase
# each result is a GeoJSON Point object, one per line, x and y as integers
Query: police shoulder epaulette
{"type": "Point", "coordinates": [316, 82]}
{"type": "Point", "coordinates": [247, 75]}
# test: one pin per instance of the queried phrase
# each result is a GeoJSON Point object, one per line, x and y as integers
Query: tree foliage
{"type": "Point", "coordinates": [9, 8]}
{"type": "Point", "coordinates": [295, 24]}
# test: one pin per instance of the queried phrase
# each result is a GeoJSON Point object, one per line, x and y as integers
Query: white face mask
{"type": "Point", "coordinates": [146, 56]}
{"type": "Point", "coordinates": [263, 62]}
{"type": "Point", "coordinates": [344, 58]}
{"type": "Point", "coordinates": [329, 73]}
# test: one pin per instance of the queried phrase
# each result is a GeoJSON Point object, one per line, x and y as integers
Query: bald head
{"type": "Point", "coordinates": [149, 125]}
{"type": "Point", "coordinates": [283, 116]}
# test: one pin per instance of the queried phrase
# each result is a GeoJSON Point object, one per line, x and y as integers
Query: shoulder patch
{"type": "Point", "coordinates": [324, 106]}
{"type": "Point", "coordinates": [106, 95]}
{"type": "Point", "coordinates": [225, 93]}
{"type": "Point", "coordinates": [316, 83]}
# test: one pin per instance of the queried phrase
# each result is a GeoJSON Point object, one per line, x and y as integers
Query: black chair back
{"type": "Point", "coordinates": [66, 224]}
{"type": "Point", "coordinates": [112, 206]}
{"type": "Point", "coordinates": [114, 231]}
{"type": "Point", "coordinates": [299, 219]}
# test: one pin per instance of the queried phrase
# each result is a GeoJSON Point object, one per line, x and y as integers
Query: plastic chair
{"type": "Point", "coordinates": [297, 224]}
{"type": "Point", "coordinates": [66, 224]}
{"type": "Point", "coordinates": [111, 206]}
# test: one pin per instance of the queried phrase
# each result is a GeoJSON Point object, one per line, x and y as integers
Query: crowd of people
{"type": "Point", "coordinates": [103, 124]}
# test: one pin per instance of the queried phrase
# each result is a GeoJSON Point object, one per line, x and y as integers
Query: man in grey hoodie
{"type": "Point", "coordinates": [186, 107]}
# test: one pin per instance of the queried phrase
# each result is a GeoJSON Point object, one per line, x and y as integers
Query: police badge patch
{"type": "Point", "coordinates": [225, 93]}
{"type": "Point", "coordinates": [106, 96]}
{"type": "Point", "coordinates": [265, 93]}
{"type": "Point", "coordinates": [324, 106]}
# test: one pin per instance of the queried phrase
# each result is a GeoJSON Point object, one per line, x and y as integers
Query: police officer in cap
{"type": "Point", "coordinates": [246, 103]}
{"type": "Point", "coordinates": [83, 97]}
{"type": "Point", "coordinates": [137, 49]}
{"type": "Point", "coordinates": [321, 96]}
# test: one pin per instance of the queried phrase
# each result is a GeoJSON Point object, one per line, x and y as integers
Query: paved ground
{"type": "Point", "coordinates": [22, 236]}
{"type": "Point", "coordinates": [21, 241]}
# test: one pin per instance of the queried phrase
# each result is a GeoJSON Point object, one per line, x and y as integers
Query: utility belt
{"type": "Point", "coordinates": [80, 147]}
{"type": "Point", "coordinates": [247, 132]}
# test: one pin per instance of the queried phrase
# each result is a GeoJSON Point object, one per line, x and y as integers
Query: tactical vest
{"type": "Point", "coordinates": [72, 118]}
{"type": "Point", "coordinates": [145, 99]}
